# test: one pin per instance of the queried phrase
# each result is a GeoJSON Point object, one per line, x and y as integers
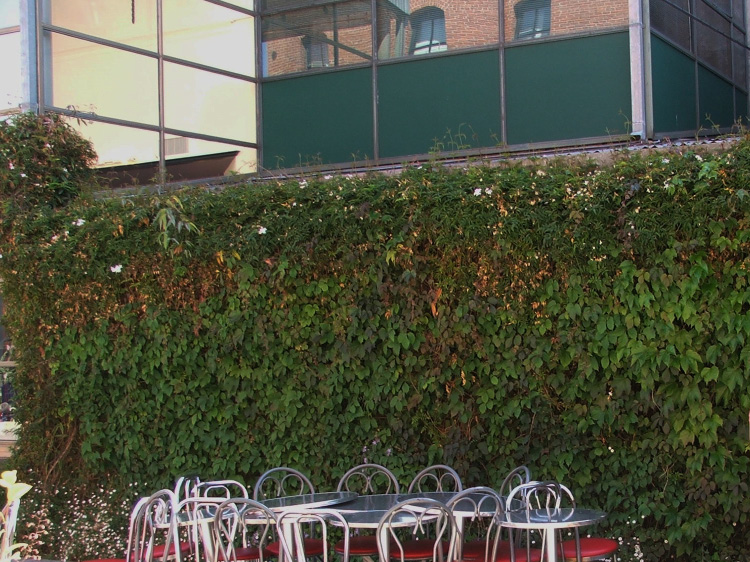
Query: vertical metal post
{"type": "Point", "coordinates": [747, 57]}
{"type": "Point", "coordinates": [648, 84]}
{"type": "Point", "coordinates": [637, 68]}
{"type": "Point", "coordinates": [694, 52]}
{"type": "Point", "coordinates": [259, 83]}
{"type": "Point", "coordinates": [501, 53]}
{"type": "Point", "coordinates": [374, 52]}
{"type": "Point", "coordinates": [160, 78]}
{"type": "Point", "coordinates": [40, 60]}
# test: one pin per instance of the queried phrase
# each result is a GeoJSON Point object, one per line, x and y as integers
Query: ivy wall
{"type": "Point", "coordinates": [588, 321]}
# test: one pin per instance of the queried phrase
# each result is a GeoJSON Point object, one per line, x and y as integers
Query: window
{"type": "Point", "coordinates": [317, 52]}
{"type": "Point", "coordinates": [428, 31]}
{"type": "Point", "coordinates": [532, 19]}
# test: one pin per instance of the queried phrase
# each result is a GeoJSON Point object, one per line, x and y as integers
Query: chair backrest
{"type": "Point", "coordinates": [154, 522]}
{"type": "Point", "coordinates": [194, 518]}
{"type": "Point", "coordinates": [369, 479]}
{"type": "Point", "coordinates": [516, 477]}
{"type": "Point", "coordinates": [428, 523]}
{"type": "Point", "coordinates": [184, 487]}
{"type": "Point", "coordinates": [436, 478]}
{"type": "Point", "coordinates": [242, 527]}
{"type": "Point", "coordinates": [315, 524]}
{"type": "Point", "coordinates": [221, 489]}
{"type": "Point", "coordinates": [477, 512]}
{"type": "Point", "coordinates": [533, 496]}
{"type": "Point", "coordinates": [282, 481]}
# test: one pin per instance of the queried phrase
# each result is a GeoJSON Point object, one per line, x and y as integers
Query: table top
{"type": "Point", "coordinates": [309, 501]}
{"type": "Point", "coordinates": [551, 518]}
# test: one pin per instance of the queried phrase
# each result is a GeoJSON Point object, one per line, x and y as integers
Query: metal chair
{"type": "Point", "coordinates": [296, 543]}
{"type": "Point", "coordinates": [586, 548]}
{"type": "Point", "coordinates": [241, 530]}
{"type": "Point", "coordinates": [436, 478]}
{"type": "Point", "coordinates": [516, 477]}
{"type": "Point", "coordinates": [153, 533]}
{"type": "Point", "coordinates": [417, 529]}
{"type": "Point", "coordinates": [365, 479]}
{"type": "Point", "coordinates": [369, 479]}
{"type": "Point", "coordinates": [184, 486]}
{"type": "Point", "coordinates": [533, 496]}
{"type": "Point", "coordinates": [221, 489]}
{"type": "Point", "coordinates": [282, 481]}
{"type": "Point", "coordinates": [477, 512]}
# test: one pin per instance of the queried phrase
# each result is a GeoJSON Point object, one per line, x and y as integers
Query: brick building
{"type": "Point", "coordinates": [205, 87]}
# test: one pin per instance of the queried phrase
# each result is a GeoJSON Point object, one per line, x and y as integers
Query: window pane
{"type": "Point", "coordinates": [671, 22]}
{"type": "Point", "coordinates": [740, 66]}
{"type": "Point", "coordinates": [209, 104]}
{"type": "Point", "coordinates": [11, 95]}
{"type": "Point", "coordinates": [712, 32]}
{"type": "Point", "coordinates": [115, 21]}
{"type": "Point", "coordinates": [333, 35]}
{"type": "Point", "coordinates": [411, 28]}
{"type": "Point", "coordinates": [208, 34]}
{"type": "Point", "coordinates": [738, 13]}
{"type": "Point", "coordinates": [102, 80]}
{"type": "Point", "coordinates": [116, 145]}
{"type": "Point", "coordinates": [10, 15]}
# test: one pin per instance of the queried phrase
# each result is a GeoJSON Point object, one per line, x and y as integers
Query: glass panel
{"type": "Point", "coordinates": [428, 28]}
{"type": "Point", "coordinates": [247, 4]}
{"type": "Point", "coordinates": [10, 15]}
{"type": "Point", "coordinates": [116, 145]}
{"type": "Point", "coordinates": [671, 22]}
{"type": "Point", "coordinates": [740, 65]}
{"type": "Point", "coordinates": [11, 95]}
{"type": "Point", "coordinates": [209, 34]}
{"type": "Point", "coordinates": [209, 104]}
{"type": "Point", "coordinates": [331, 35]}
{"type": "Point", "coordinates": [98, 79]}
{"type": "Point", "coordinates": [131, 23]}
{"type": "Point", "coordinates": [712, 32]}
{"type": "Point", "coordinates": [526, 19]}
{"type": "Point", "coordinates": [738, 13]}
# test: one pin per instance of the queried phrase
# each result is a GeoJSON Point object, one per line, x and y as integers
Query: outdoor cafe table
{"type": "Point", "coordinates": [549, 521]}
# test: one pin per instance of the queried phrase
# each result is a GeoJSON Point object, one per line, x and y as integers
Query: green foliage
{"type": "Point", "coordinates": [43, 161]}
{"type": "Point", "coordinates": [589, 322]}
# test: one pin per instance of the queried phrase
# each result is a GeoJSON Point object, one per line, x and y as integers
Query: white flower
{"type": "Point", "coordinates": [262, 230]}
{"type": "Point", "coordinates": [303, 184]}
{"type": "Point", "coordinates": [488, 191]}
{"type": "Point", "coordinates": [23, 175]}
{"type": "Point", "coordinates": [327, 177]}
{"type": "Point", "coordinates": [116, 268]}
{"type": "Point", "coordinates": [665, 160]}
{"type": "Point", "coordinates": [79, 222]}
{"type": "Point", "coordinates": [478, 191]}
{"type": "Point", "coordinates": [11, 166]}
{"type": "Point", "coordinates": [541, 173]}
{"type": "Point", "coordinates": [698, 158]}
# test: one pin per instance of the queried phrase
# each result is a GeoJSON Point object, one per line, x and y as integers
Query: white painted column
{"type": "Point", "coordinates": [638, 82]}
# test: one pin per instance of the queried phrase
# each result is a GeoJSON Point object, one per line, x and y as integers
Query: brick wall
{"type": "Point", "coordinates": [574, 16]}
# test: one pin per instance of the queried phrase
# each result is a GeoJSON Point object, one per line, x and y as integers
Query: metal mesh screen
{"type": "Point", "coordinates": [672, 20]}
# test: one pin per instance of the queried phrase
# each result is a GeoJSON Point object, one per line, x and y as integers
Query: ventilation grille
{"type": "Point", "coordinates": [175, 145]}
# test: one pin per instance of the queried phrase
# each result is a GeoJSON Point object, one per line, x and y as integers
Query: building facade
{"type": "Point", "coordinates": [209, 87]}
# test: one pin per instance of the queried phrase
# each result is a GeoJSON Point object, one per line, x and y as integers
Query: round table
{"type": "Point", "coordinates": [309, 501]}
{"type": "Point", "coordinates": [549, 521]}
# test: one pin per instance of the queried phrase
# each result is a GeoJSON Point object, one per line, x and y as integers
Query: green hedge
{"type": "Point", "coordinates": [587, 321]}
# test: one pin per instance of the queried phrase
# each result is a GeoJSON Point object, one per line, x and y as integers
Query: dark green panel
{"type": "Point", "coordinates": [324, 118]}
{"type": "Point", "coordinates": [716, 100]}
{"type": "Point", "coordinates": [673, 76]}
{"type": "Point", "coordinates": [451, 101]}
{"type": "Point", "coordinates": [568, 89]}
{"type": "Point", "coordinates": [740, 98]}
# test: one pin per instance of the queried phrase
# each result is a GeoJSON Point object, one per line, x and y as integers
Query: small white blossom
{"type": "Point", "coordinates": [698, 158]}
{"type": "Point", "coordinates": [79, 222]}
{"type": "Point", "coordinates": [478, 191]}
{"type": "Point", "coordinates": [541, 173]}
{"type": "Point", "coordinates": [488, 191]}
{"type": "Point", "coordinates": [262, 230]}
{"type": "Point", "coordinates": [665, 160]}
{"type": "Point", "coordinates": [116, 268]}
{"type": "Point", "coordinates": [303, 184]}
{"type": "Point", "coordinates": [327, 177]}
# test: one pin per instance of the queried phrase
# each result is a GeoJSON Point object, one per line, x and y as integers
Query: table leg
{"type": "Point", "coordinates": [551, 547]}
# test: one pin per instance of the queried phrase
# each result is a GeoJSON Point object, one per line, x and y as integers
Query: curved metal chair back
{"type": "Point", "coordinates": [295, 541]}
{"type": "Point", "coordinates": [185, 487]}
{"type": "Point", "coordinates": [516, 477]}
{"type": "Point", "coordinates": [242, 528]}
{"type": "Point", "coordinates": [436, 478]}
{"type": "Point", "coordinates": [221, 489]}
{"type": "Point", "coordinates": [153, 533]}
{"type": "Point", "coordinates": [533, 496]}
{"type": "Point", "coordinates": [417, 529]}
{"type": "Point", "coordinates": [586, 548]}
{"type": "Point", "coordinates": [479, 510]}
{"type": "Point", "coordinates": [369, 479]}
{"type": "Point", "coordinates": [282, 481]}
